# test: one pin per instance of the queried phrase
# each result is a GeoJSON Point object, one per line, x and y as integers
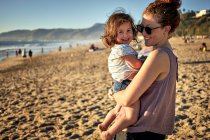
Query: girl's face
{"type": "Point", "coordinates": [124, 33]}
{"type": "Point", "coordinates": [157, 36]}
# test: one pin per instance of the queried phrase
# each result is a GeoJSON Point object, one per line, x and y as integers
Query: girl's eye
{"type": "Point", "coordinates": [130, 31]}
{"type": "Point", "coordinates": [120, 32]}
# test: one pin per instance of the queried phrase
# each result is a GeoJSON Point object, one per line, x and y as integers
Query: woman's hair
{"type": "Point", "coordinates": [114, 21]}
{"type": "Point", "coordinates": [166, 12]}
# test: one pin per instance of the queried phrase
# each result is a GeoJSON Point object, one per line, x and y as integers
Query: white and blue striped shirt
{"type": "Point", "coordinates": [118, 68]}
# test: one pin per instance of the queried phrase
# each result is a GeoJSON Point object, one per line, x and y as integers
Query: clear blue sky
{"type": "Point", "coordinates": [34, 14]}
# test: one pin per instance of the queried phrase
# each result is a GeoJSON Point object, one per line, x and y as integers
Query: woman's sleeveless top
{"type": "Point", "coordinates": [157, 109]}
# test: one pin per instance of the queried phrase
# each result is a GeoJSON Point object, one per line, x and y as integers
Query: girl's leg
{"type": "Point", "coordinates": [126, 117]}
{"type": "Point", "coordinates": [109, 118]}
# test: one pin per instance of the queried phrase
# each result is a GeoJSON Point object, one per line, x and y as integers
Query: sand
{"type": "Point", "coordinates": [63, 95]}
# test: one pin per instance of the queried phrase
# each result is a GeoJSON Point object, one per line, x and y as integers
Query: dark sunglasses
{"type": "Point", "coordinates": [148, 30]}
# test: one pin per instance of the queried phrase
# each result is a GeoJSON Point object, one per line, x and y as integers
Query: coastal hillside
{"type": "Point", "coordinates": [190, 25]}
{"type": "Point", "coordinates": [93, 32]}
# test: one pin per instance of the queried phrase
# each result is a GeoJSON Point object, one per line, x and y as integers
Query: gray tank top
{"type": "Point", "coordinates": [157, 111]}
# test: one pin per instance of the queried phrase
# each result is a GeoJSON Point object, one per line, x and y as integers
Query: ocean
{"type": "Point", "coordinates": [8, 48]}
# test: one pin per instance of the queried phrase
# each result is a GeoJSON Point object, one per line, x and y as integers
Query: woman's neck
{"type": "Point", "coordinates": [163, 45]}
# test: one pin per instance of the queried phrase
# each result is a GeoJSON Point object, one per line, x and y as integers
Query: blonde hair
{"type": "Point", "coordinates": [114, 21]}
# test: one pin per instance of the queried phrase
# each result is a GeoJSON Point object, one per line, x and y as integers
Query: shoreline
{"type": "Point", "coordinates": [38, 47]}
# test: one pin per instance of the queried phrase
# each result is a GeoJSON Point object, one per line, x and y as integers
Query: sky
{"type": "Point", "coordinates": [74, 14]}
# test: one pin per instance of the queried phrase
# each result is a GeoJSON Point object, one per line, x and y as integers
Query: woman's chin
{"type": "Point", "coordinates": [146, 43]}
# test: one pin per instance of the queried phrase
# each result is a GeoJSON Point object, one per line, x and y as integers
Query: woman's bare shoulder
{"type": "Point", "coordinates": [161, 63]}
{"type": "Point", "coordinates": [158, 54]}
{"type": "Point", "coordinates": [158, 60]}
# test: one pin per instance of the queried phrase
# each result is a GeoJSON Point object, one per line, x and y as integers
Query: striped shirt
{"type": "Point", "coordinates": [118, 68]}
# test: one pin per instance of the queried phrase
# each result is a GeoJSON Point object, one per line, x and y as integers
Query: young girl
{"type": "Point", "coordinates": [123, 65]}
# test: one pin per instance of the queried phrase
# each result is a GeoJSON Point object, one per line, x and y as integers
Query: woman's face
{"type": "Point", "coordinates": [124, 33]}
{"type": "Point", "coordinates": [157, 36]}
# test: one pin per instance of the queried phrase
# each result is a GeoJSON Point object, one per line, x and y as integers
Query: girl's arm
{"type": "Point", "coordinates": [132, 61]}
{"type": "Point", "coordinates": [156, 67]}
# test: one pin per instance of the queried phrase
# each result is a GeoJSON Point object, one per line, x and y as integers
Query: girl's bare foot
{"type": "Point", "coordinates": [105, 135]}
{"type": "Point", "coordinates": [101, 127]}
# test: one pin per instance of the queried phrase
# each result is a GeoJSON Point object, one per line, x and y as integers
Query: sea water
{"type": "Point", "coordinates": [8, 48]}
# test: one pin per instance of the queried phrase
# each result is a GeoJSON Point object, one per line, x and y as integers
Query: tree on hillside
{"type": "Point", "coordinates": [190, 25]}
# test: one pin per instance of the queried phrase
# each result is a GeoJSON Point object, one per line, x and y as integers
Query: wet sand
{"type": "Point", "coordinates": [63, 95]}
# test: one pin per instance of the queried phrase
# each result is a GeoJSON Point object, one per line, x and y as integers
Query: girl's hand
{"type": "Point", "coordinates": [110, 95]}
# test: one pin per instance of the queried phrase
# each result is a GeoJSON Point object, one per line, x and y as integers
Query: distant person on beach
{"type": "Point", "coordinates": [19, 52]}
{"type": "Point", "coordinates": [155, 83]}
{"type": "Point", "coordinates": [30, 53]}
{"type": "Point", "coordinates": [42, 50]}
{"type": "Point", "coordinates": [7, 54]}
{"type": "Point", "coordinates": [123, 65]}
{"type": "Point", "coordinates": [92, 48]}
{"type": "Point", "coordinates": [16, 53]}
{"type": "Point", "coordinates": [60, 48]}
{"type": "Point", "coordinates": [203, 47]}
{"type": "Point", "coordinates": [24, 53]}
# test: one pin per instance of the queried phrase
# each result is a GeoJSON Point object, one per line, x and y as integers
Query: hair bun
{"type": "Point", "coordinates": [176, 3]}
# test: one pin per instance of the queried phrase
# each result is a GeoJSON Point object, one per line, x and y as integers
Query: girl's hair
{"type": "Point", "coordinates": [166, 12]}
{"type": "Point", "coordinates": [114, 21]}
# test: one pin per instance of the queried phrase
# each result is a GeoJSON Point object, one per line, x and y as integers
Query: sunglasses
{"type": "Point", "coordinates": [148, 30]}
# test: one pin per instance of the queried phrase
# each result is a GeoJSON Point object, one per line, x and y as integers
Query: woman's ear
{"type": "Point", "coordinates": [167, 28]}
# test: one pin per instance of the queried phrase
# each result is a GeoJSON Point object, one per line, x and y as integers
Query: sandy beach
{"type": "Point", "coordinates": [63, 95]}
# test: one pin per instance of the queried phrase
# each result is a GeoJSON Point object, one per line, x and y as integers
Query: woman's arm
{"type": "Point", "coordinates": [156, 67]}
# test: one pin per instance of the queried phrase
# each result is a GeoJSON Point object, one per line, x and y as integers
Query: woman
{"type": "Point", "coordinates": [155, 83]}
